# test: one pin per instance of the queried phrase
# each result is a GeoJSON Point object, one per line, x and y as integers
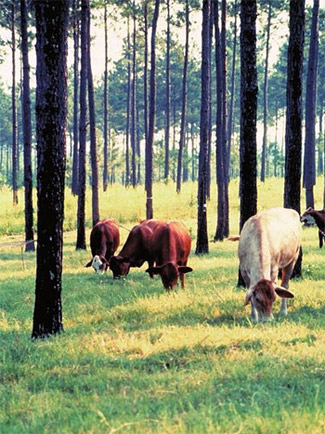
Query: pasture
{"type": "Point", "coordinates": [134, 358]}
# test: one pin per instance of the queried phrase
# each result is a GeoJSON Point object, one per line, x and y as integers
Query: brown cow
{"type": "Point", "coordinates": [104, 240]}
{"type": "Point", "coordinates": [269, 240]}
{"type": "Point", "coordinates": [312, 216]}
{"type": "Point", "coordinates": [170, 249]}
{"type": "Point", "coordinates": [136, 249]}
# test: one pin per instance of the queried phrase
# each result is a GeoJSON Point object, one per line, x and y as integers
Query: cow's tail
{"type": "Point", "coordinates": [234, 238]}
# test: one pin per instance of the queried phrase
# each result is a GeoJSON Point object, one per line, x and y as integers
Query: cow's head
{"type": "Point", "coordinates": [99, 263]}
{"type": "Point", "coordinates": [169, 273]}
{"type": "Point", "coordinates": [119, 266]}
{"type": "Point", "coordinates": [307, 218]}
{"type": "Point", "coordinates": [262, 296]}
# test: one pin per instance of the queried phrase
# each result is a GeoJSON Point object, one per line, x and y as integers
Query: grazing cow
{"type": "Point", "coordinates": [136, 249]}
{"type": "Point", "coordinates": [104, 240]}
{"type": "Point", "coordinates": [312, 216]}
{"type": "Point", "coordinates": [269, 240]}
{"type": "Point", "coordinates": [170, 249]}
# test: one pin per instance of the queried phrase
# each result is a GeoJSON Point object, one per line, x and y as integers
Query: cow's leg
{"type": "Point", "coordinates": [320, 237]}
{"type": "Point", "coordinates": [150, 265]}
{"type": "Point", "coordinates": [182, 278]}
{"type": "Point", "coordinates": [286, 274]}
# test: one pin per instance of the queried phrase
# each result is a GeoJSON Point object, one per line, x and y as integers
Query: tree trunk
{"type": "Point", "coordinates": [202, 244]}
{"type": "Point", "coordinates": [134, 102]}
{"type": "Point", "coordinates": [184, 100]}
{"type": "Point", "coordinates": [106, 144]}
{"type": "Point", "coordinates": [310, 139]}
{"type": "Point", "coordinates": [265, 102]}
{"type": "Point", "coordinates": [76, 37]}
{"type": "Point", "coordinates": [127, 133]}
{"type": "Point", "coordinates": [293, 136]}
{"type": "Point", "coordinates": [167, 110]}
{"type": "Point", "coordinates": [92, 122]}
{"type": "Point", "coordinates": [51, 111]}
{"type": "Point", "coordinates": [248, 114]}
{"type": "Point", "coordinates": [81, 233]}
{"type": "Point", "coordinates": [152, 114]}
{"type": "Point", "coordinates": [27, 131]}
{"type": "Point", "coordinates": [232, 86]}
{"type": "Point", "coordinates": [14, 108]}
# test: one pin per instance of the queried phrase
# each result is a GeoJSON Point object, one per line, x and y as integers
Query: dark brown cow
{"type": "Point", "coordinates": [170, 249]}
{"type": "Point", "coordinates": [104, 240]}
{"type": "Point", "coordinates": [136, 249]}
{"type": "Point", "coordinates": [312, 216]}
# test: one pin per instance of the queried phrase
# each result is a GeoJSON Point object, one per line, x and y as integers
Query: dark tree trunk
{"type": "Point", "coordinates": [232, 86]}
{"type": "Point", "coordinates": [167, 110]}
{"type": "Point", "coordinates": [92, 122]}
{"type": "Point", "coordinates": [310, 139]}
{"type": "Point", "coordinates": [51, 111]}
{"type": "Point", "coordinates": [265, 102]}
{"type": "Point", "coordinates": [134, 102]}
{"type": "Point", "coordinates": [184, 100]}
{"type": "Point", "coordinates": [152, 114]}
{"type": "Point", "coordinates": [202, 244]}
{"type": "Point", "coordinates": [248, 113]}
{"type": "Point", "coordinates": [76, 37]}
{"type": "Point", "coordinates": [145, 72]}
{"type": "Point", "coordinates": [127, 133]}
{"type": "Point", "coordinates": [293, 137]}
{"type": "Point", "coordinates": [14, 107]}
{"type": "Point", "coordinates": [81, 233]}
{"type": "Point", "coordinates": [27, 131]}
{"type": "Point", "coordinates": [106, 144]}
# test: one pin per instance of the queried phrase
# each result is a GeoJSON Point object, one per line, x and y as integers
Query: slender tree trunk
{"type": "Point", "coordinates": [293, 136]}
{"type": "Point", "coordinates": [184, 100]}
{"type": "Point", "coordinates": [106, 144]}
{"type": "Point", "coordinates": [310, 139]}
{"type": "Point", "coordinates": [232, 86]}
{"type": "Point", "coordinates": [51, 111]}
{"type": "Point", "coordinates": [152, 113]}
{"type": "Point", "coordinates": [93, 142]}
{"type": "Point", "coordinates": [248, 111]}
{"type": "Point", "coordinates": [265, 102]}
{"type": "Point", "coordinates": [167, 110]}
{"type": "Point", "coordinates": [76, 37]}
{"type": "Point", "coordinates": [133, 101]}
{"type": "Point", "coordinates": [27, 131]}
{"type": "Point", "coordinates": [14, 107]}
{"type": "Point", "coordinates": [81, 233]}
{"type": "Point", "coordinates": [202, 244]}
{"type": "Point", "coordinates": [127, 133]}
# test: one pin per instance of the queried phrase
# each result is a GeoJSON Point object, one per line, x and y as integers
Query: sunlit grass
{"type": "Point", "coordinates": [134, 358]}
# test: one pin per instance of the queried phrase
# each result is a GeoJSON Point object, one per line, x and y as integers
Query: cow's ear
{"type": "Point", "coordinates": [89, 264]}
{"type": "Point", "coordinates": [283, 293]}
{"type": "Point", "coordinates": [184, 269]}
{"type": "Point", "coordinates": [154, 270]}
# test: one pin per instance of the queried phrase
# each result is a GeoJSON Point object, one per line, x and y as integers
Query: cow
{"type": "Point", "coordinates": [269, 241]}
{"type": "Point", "coordinates": [170, 249]}
{"type": "Point", "coordinates": [312, 216]}
{"type": "Point", "coordinates": [135, 251]}
{"type": "Point", "coordinates": [104, 241]}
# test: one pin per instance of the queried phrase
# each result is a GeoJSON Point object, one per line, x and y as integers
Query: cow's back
{"type": "Point", "coordinates": [104, 233]}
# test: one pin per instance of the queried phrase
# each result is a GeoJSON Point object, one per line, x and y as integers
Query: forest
{"type": "Point", "coordinates": [199, 112]}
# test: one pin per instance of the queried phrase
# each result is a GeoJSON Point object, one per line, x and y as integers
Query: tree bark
{"type": "Point", "coordinates": [14, 107]}
{"type": "Point", "coordinates": [127, 133]}
{"type": "Point", "coordinates": [152, 114]}
{"type": "Point", "coordinates": [27, 131]}
{"type": "Point", "coordinates": [51, 111]}
{"type": "Point", "coordinates": [106, 143]}
{"type": "Point", "coordinates": [202, 244]}
{"type": "Point", "coordinates": [76, 38]}
{"type": "Point", "coordinates": [167, 109]}
{"type": "Point", "coordinates": [293, 136]}
{"type": "Point", "coordinates": [134, 101]}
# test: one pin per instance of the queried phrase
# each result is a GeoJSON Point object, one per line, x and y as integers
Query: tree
{"type": "Point", "coordinates": [310, 139]}
{"type": "Point", "coordinates": [167, 107]}
{"type": "Point", "coordinates": [152, 113]}
{"type": "Point", "coordinates": [202, 244]}
{"type": "Point", "coordinates": [51, 110]}
{"type": "Point", "coordinates": [106, 126]}
{"type": "Point", "coordinates": [81, 233]}
{"type": "Point", "coordinates": [27, 131]}
{"type": "Point", "coordinates": [293, 136]}
{"type": "Point", "coordinates": [92, 122]}
{"type": "Point", "coordinates": [14, 106]}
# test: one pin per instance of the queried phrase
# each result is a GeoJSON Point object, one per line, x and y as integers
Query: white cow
{"type": "Point", "coordinates": [269, 240]}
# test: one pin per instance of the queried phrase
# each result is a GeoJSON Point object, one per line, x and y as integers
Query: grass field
{"type": "Point", "coordinates": [136, 359]}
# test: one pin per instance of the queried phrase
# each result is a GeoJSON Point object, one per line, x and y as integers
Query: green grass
{"type": "Point", "coordinates": [136, 359]}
